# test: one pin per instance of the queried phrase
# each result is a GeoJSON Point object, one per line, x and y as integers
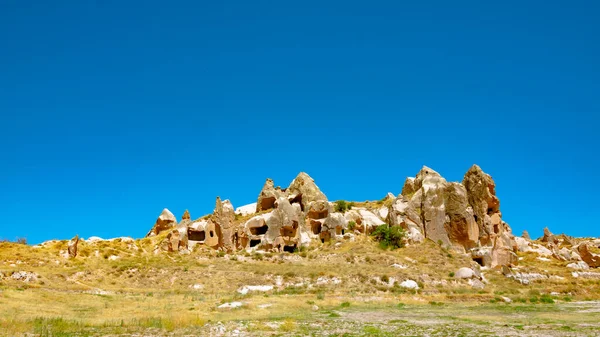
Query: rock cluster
{"type": "Point", "coordinates": [463, 216]}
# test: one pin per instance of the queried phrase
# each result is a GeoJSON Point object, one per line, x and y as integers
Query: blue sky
{"type": "Point", "coordinates": [112, 111]}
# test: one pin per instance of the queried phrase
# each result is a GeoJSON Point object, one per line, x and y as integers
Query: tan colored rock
{"type": "Point", "coordinates": [502, 252]}
{"type": "Point", "coordinates": [460, 224]}
{"type": "Point", "coordinates": [549, 237]}
{"type": "Point", "coordinates": [409, 187]}
{"type": "Point", "coordinates": [403, 213]}
{"type": "Point", "coordinates": [186, 215]}
{"type": "Point", "coordinates": [525, 235]}
{"type": "Point", "coordinates": [481, 193]}
{"type": "Point", "coordinates": [304, 191]}
{"type": "Point", "coordinates": [223, 217]}
{"type": "Point", "coordinates": [166, 221]}
{"type": "Point", "coordinates": [267, 197]}
{"type": "Point", "coordinates": [335, 224]}
{"type": "Point", "coordinates": [319, 210]}
{"type": "Point", "coordinates": [593, 260]}
{"type": "Point", "coordinates": [433, 205]}
{"type": "Point", "coordinates": [72, 246]}
{"type": "Point", "coordinates": [203, 232]}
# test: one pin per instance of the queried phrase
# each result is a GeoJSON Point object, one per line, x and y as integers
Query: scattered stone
{"type": "Point", "coordinates": [464, 273]}
{"type": "Point", "coordinates": [24, 276]}
{"type": "Point", "coordinates": [410, 284]}
{"type": "Point", "coordinates": [246, 289]}
{"type": "Point", "coordinates": [230, 305]}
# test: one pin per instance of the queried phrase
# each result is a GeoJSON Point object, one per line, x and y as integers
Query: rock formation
{"type": "Point", "coordinates": [593, 260]}
{"type": "Point", "coordinates": [481, 193]}
{"type": "Point", "coordinates": [224, 216]}
{"type": "Point", "coordinates": [72, 246]}
{"type": "Point", "coordinates": [267, 197]}
{"type": "Point", "coordinates": [165, 221]}
{"type": "Point", "coordinates": [463, 216]}
{"type": "Point", "coordinates": [304, 190]}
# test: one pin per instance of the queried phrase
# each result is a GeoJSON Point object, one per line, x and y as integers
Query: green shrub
{"type": "Point", "coordinates": [341, 206]}
{"type": "Point", "coordinates": [345, 304]}
{"type": "Point", "coordinates": [389, 236]}
{"type": "Point", "coordinates": [451, 274]}
{"type": "Point", "coordinates": [351, 225]}
{"type": "Point", "coordinates": [546, 299]}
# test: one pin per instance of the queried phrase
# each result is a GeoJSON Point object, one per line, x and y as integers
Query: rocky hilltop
{"type": "Point", "coordinates": [461, 216]}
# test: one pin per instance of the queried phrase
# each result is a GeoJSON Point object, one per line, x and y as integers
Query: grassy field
{"type": "Point", "coordinates": [346, 288]}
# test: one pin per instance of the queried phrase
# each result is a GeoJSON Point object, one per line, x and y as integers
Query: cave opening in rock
{"type": "Point", "coordinates": [316, 227]}
{"type": "Point", "coordinates": [475, 217]}
{"type": "Point", "coordinates": [254, 243]}
{"type": "Point", "coordinates": [289, 249]}
{"type": "Point", "coordinates": [259, 230]}
{"type": "Point", "coordinates": [196, 235]}
{"type": "Point", "coordinates": [298, 199]}
{"type": "Point", "coordinates": [267, 203]}
{"type": "Point", "coordinates": [479, 260]}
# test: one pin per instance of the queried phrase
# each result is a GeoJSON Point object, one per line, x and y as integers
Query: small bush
{"type": "Point", "coordinates": [350, 205]}
{"type": "Point", "coordinates": [341, 206]}
{"type": "Point", "coordinates": [345, 305]}
{"type": "Point", "coordinates": [389, 236]}
{"type": "Point", "coordinates": [451, 274]}
{"type": "Point", "coordinates": [547, 299]}
{"type": "Point", "coordinates": [351, 225]}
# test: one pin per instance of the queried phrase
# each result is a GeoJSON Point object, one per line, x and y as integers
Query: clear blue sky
{"type": "Point", "coordinates": [113, 110]}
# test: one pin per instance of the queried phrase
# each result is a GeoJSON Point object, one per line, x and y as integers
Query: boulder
{"type": "Point", "coordinates": [502, 252]}
{"type": "Point", "coordinates": [166, 221]}
{"type": "Point", "coordinates": [409, 284]}
{"type": "Point", "coordinates": [267, 197]}
{"type": "Point", "coordinates": [481, 194]}
{"type": "Point", "coordinates": [593, 260]}
{"type": "Point", "coordinates": [525, 235]}
{"type": "Point", "coordinates": [304, 191]}
{"type": "Point", "coordinates": [369, 221]}
{"type": "Point", "coordinates": [224, 217]}
{"type": "Point", "coordinates": [72, 246]}
{"type": "Point", "coordinates": [464, 273]}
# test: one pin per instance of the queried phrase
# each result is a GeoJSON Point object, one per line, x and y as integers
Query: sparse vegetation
{"type": "Point", "coordinates": [389, 236]}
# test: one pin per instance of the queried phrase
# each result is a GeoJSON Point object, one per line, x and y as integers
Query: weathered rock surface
{"type": "Point", "coordinates": [165, 221]}
{"type": "Point", "coordinates": [460, 224]}
{"type": "Point", "coordinates": [223, 217]}
{"type": "Point", "coordinates": [304, 190]}
{"type": "Point", "coordinates": [525, 235]}
{"type": "Point", "coordinates": [593, 260]}
{"type": "Point", "coordinates": [267, 197]}
{"type": "Point", "coordinates": [481, 193]}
